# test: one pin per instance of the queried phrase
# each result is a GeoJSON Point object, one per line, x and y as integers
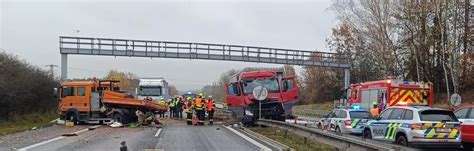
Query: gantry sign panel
{"type": "Point", "coordinates": [187, 50]}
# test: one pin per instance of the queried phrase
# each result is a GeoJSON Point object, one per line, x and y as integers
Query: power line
{"type": "Point", "coordinates": [51, 69]}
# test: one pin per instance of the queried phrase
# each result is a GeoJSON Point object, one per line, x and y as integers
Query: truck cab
{"type": "Point", "coordinates": [282, 93]}
{"type": "Point", "coordinates": [153, 88]}
{"type": "Point", "coordinates": [80, 99]}
{"type": "Point", "coordinates": [102, 101]}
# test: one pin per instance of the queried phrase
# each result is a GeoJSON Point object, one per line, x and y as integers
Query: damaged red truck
{"type": "Point", "coordinates": [282, 93]}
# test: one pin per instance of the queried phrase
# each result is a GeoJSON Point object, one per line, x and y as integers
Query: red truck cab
{"type": "Point", "coordinates": [465, 114]}
{"type": "Point", "coordinates": [282, 93]}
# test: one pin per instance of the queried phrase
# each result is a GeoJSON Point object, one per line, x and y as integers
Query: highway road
{"type": "Point", "coordinates": [174, 135]}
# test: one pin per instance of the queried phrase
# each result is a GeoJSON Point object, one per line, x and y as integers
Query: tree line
{"type": "Point", "coordinates": [24, 88]}
{"type": "Point", "coordinates": [416, 40]}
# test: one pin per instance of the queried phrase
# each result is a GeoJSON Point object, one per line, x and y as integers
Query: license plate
{"type": "Point", "coordinates": [378, 132]}
{"type": "Point", "coordinates": [443, 130]}
{"type": "Point", "coordinates": [443, 140]}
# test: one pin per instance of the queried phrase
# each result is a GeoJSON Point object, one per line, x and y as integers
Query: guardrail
{"type": "Point", "coordinates": [338, 141]}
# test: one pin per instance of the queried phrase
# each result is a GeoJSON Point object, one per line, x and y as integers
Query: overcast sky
{"type": "Point", "coordinates": [30, 29]}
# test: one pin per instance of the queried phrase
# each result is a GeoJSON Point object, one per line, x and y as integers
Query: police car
{"type": "Point", "coordinates": [345, 120]}
{"type": "Point", "coordinates": [415, 126]}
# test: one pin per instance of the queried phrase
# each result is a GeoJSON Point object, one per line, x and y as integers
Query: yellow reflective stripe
{"type": "Point", "coordinates": [453, 133]}
{"type": "Point", "coordinates": [354, 123]}
{"type": "Point", "coordinates": [403, 99]}
{"type": "Point", "coordinates": [393, 132]}
{"type": "Point", "coordinates": [441, 135]}
{"type": "Point", "coordinates": [431, 133]}
{"type": "Point", "coordinates": [417, 97]}
{"type": "Point", "coordinates": [439, 125]}
{"type": "Point", "coordinates": [427, 125]}
{"type": "Point", "coordinates": [387, 134]}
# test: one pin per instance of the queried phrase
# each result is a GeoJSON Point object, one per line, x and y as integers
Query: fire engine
{"type": "Point", "coordinates": [390, 92]}
{"type": "Point", "coordinates": [281, 97]}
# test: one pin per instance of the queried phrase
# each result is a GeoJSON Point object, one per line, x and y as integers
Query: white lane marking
{"type": "Point", "coordinates": [54, 139]}
{"type": "Point", "coordinates": [261, 146]}
{"type": "Point", "coordinates": [41, 143]}
{"type": "Point", "coordinates": [158, 132]}
{"type": "Point", "coordinates": [87, 129]}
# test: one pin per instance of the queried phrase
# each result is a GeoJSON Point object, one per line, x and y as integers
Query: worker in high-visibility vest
{"type": "Point", "coordinates": [189, 111]}
{"type": "Point", "coordinates": [210, 108]}
{"type": "Point", "coordinates": [172, 107]}
{"type": "Point", "coordinates": [162, 102]}
{"type": "Point", "coordinates": [199, 107]}
{"type": "Point", "coordinates": [179, 108]}
{"type": "Point", "coordinates": [375, 110]}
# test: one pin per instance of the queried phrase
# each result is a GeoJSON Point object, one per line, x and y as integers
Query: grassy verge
{"type": "Point", "coordinates": [26, 122]}
{"type": "Point", "coordinates": [292, 140]}
{"type": "Point", "coordinates": [328, 106]}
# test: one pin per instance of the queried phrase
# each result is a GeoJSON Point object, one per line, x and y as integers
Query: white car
{"type": "Point", "coordinates": [417, 126]}
{"type": "Point", "coordinates": [345, 120]}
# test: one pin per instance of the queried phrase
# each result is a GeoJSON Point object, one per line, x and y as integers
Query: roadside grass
{"type": "Point", "coordinates": [328, 106]}
{"type": "Point", "coordinates": [292, 140]}
{"type": "Point", "coordinates": [27, 122]}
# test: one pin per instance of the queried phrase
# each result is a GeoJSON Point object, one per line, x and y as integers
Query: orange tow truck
{"type": "Point", "coordinates": [102, 101]}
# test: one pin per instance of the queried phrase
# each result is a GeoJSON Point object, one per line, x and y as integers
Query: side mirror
{"type": "Point", "coordinates": [285, 86]}
{"type": "Point", "coordinates": [326, 116]}
{"type": "Point", "coordinates": [377, 117]}
{"type": "Point", "coordinates": [55, 93]}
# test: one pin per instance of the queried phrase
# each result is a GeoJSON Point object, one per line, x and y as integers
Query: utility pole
{"type": "Point", "coordinates": [51, 69]}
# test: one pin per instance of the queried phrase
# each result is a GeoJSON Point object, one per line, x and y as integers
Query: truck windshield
{"type": "Point", "coordinates": [189, 95]}
{"type": "Point", "coordinates": [271, 85]}
{"type": "Point", "coordinates": [438, 115]}
{"type": "Point", "coordinates": [149, 91]}
{"type": "Point", "coordinates": [360, 114]}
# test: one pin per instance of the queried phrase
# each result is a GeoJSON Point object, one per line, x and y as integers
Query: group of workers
{"type": "Point", "coordinates": [193, 107]}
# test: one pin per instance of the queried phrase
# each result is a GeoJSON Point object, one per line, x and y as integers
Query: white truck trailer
{"type": "Point", "coordinates": [154, 88]}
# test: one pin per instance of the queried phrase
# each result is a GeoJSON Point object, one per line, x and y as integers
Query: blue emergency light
{"type": "Point", "coordinates": [356, 107]}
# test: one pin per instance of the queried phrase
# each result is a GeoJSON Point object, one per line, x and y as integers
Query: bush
{"type": "Point", "coordinates": [24, 88]}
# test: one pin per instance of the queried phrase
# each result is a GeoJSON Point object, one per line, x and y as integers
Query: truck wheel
{"type": "Point", "coordinates": [118, 118]}
{"type": "Point", "coordinates": [402, 140]}
{"type": "Point", "coordinates": [367, 134]}
{"type": "Point", "coordinates": [72, 117]}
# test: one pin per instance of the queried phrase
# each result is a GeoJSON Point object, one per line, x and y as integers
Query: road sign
{"type": "Point", "coordinates": [455, 99]}
{"type": "Point", "coordinates": [260, 93]}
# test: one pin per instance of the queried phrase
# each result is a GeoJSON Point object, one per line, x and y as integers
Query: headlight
{"type": "Point", "coordinates": [248, 112]}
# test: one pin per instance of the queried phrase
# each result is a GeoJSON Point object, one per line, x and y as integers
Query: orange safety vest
{"type": "Point", "coordinates": [198, 104]}
{"type": "Point", "coordinates": [210, 105]}
{"type": "Point", "coordinates": [375, 111]}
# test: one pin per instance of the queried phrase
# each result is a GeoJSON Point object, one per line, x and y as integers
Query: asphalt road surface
{"type": "Point", "coordinates": [200, 138]}
{"type": "Point", "coordinates": [174, 135]}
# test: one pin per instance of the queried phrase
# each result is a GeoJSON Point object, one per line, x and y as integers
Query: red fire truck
{"type": "Point", "coordinates": [390, 92]}
{"type": "Point", "coordinates": [282, 93]}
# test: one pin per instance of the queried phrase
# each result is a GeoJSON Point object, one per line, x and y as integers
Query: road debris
{"type": "Point", "coordinates": [69, 124]}
{"type": "Point", "coordinates": [123, 146]}
{"type": "Point", "coordinates": [34, 128]}
{"type": "Point", "coordinates": [69, 134]}
{"type": "Point", "coordinates": [116, 124]}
